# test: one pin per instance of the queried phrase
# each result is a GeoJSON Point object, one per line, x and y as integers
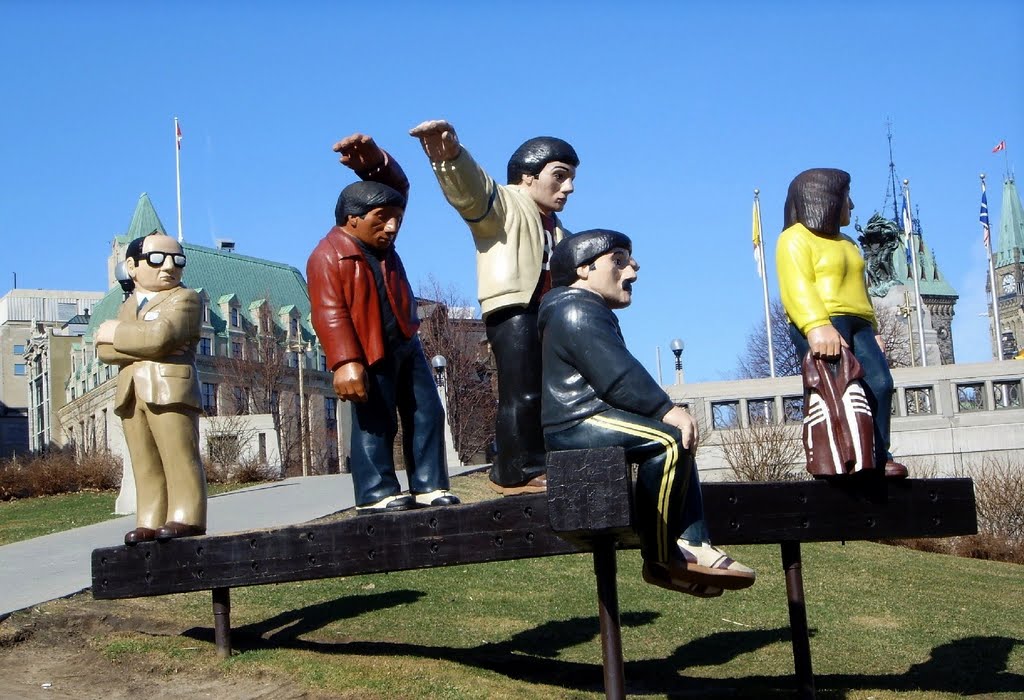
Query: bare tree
{"type": "Point", "coordinates": [449, 329]}
{"type": "Point", "coordinates": [754, 364]}
{"type": "Point", "coordinates": [266, 381]}
{"type": "Point", "coordinates": [765, 451]}
{"type": "Point", "coordinates": [893, 328]}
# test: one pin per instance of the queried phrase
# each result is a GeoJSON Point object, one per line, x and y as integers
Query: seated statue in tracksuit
{"type": "Point", "coordinates": [596, 394]}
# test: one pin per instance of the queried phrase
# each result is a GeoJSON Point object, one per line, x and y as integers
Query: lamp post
{"type": "Point", "coordinates": [677, 350]}
{"type": "Point", "coordinates": [906, 311]}
{"type": "Point", "coordinates": [440, 365]}
{"type": "Point", "coordinates": [299, 348]}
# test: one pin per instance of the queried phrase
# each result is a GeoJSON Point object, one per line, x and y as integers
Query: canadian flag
{"type": "Point", "coordinates": [1001, 146]}
{"type": "Point", "coordinates": [177, 128]}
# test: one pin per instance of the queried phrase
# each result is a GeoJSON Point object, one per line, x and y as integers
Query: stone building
{"type": "Point", "coordinates": [25, 314]}
{"type": "Point", "coordinates": [1008, 250]}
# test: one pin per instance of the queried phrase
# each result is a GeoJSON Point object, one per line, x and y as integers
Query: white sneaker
{"type": "Point", "coordinates": [706, 564]}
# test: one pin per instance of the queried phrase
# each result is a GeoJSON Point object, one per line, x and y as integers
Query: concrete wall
{"type": "Point", "coordinates": [946, 418]}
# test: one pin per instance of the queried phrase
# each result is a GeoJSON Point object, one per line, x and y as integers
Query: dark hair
{"type": "Point", "coordinates": [816, 198]}
{"type": "Point", "coordinates": [360, 198]}
{"type": "Point", "coordinates": [532, 156]}
{"type": "Point", "coordinates": [582, 248]}
{"type": "Point", "coordinates": [134, 249]}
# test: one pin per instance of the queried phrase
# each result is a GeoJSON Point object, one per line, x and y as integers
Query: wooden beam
{"type": "Point", "coordinates": [518, 528]}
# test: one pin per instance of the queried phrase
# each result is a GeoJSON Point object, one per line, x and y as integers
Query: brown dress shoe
{"type": "Point", "coordinates": [173, 530]}
{"type": "Point", "coordinates": [658, 575]}
{"type": "Point", "coordinates": [139, 534]}
{"type": "Point", "coordinates": [895, 470]}
{"type": "Point", "coordinates": [538, 484]}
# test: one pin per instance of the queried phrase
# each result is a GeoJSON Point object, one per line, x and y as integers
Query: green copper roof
{"type": "Point", "coordinates": [930, 279]}
{"type": "Point", "coordinates": [1011, 226]}
{"type": "Point", "coordinates": [144, 220]}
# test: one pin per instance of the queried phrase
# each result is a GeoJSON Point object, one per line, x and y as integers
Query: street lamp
{"type": "Point", "coordinates": [677, 350]}
{"type": "Point", "coordinates": [299, 348]}
{"type": "Point", "coordinates": [440, 364]}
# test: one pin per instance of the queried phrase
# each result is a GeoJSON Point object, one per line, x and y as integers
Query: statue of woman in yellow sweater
{"type": "Point", "coordinates": [821, 276]}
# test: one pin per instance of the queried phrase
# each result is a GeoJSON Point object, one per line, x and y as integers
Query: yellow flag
{"type": "Point", "coordinates": [757, 235]}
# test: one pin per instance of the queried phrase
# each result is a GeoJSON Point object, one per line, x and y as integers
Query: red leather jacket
{"type": "Point", "coordinates": [346, 310]}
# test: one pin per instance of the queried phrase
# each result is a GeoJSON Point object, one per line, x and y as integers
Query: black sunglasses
{"type": "Point", "coordinates": [156, 259]}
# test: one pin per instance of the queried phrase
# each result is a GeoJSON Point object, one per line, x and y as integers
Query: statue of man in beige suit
{"type": "Point", "coordinates": [153, 341]}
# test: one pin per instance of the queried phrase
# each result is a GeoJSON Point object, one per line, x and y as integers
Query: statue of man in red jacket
{"type": "Point", "coordinates": [364, 313]}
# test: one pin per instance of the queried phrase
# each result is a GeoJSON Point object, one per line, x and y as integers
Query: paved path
{"type": "Point", "coordinates": [56, 566]}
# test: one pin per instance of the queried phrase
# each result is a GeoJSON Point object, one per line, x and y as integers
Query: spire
{"type": "Point", "coordinates": [1011, 226]}
{"type": "Point", "coordinates": [144, 220]}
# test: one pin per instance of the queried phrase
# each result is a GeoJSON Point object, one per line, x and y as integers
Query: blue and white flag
{"type": "Point", "coordinates": [983, 217]}
{"type": "Point", "coordinates": [908, 230]}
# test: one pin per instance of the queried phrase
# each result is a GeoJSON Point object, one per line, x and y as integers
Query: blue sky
{"type": "Point", "coordinates": [677, 110]}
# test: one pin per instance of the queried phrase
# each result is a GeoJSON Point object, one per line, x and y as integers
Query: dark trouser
{"type": "Point", "coordinates": [860, 336]}
{"type": "Point", "coordinates": [403, 383]}
{"type": "Point", "coordinates": [515, 342]}
{"type": "Point", "coordinates": [668, 500]}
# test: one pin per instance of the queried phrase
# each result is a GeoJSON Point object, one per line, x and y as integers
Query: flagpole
{"type": "Point", "coordinates": [177, 172]}
{"type": "Point", "coordinates": [908, 225]}
{"type": "Point", "coordinates": [759, 245]}
{"type": "Point", "coordinates": [997, 328]}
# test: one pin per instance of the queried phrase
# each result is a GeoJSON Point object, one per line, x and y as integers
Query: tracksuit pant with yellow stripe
{"type": "Point", "coordinates": [667, 501]}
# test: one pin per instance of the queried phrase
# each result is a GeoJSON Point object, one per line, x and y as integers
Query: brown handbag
{"type": "Point", "coordinates": [838, 430]}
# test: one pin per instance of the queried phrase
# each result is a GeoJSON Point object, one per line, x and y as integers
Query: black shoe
{"type": "Point", "coordinates": [389, 504]}
{"type": "Point", "coordinates": [439, 497]}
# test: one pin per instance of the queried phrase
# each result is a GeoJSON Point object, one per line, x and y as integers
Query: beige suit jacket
{"type": "Point", "coordinates": [156, 349]}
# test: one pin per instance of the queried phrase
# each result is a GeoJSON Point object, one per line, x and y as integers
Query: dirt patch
{"type": "Point", "coordinates": [48, 652]}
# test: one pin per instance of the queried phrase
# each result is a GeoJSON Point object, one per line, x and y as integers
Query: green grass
{"type": "Point", "coordinates": [886, 622]}
{"type": "Point", "coordinates": [33, 517]}
{"type": "Point", "coordinates": [26, 518]}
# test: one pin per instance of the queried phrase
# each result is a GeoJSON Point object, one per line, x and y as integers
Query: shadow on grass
{"type": "Point", "coordinates": [973, 665]}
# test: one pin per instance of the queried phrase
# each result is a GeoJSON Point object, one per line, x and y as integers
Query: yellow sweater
{"type": "Point", "coordinates": [820, 276]}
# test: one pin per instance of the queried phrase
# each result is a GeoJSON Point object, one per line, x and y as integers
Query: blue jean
{"type": "Point", "coordinates": [401, 384]}
{"type": "Point", "coordinates": [860, 336]}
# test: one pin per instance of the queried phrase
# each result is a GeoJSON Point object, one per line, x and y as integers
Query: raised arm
{"type": "Point", "coordinates": [473, 193]}
{"type": "Point", "coordinates": [371, 162]}
{"type": "Point", "coordinates": [438, 138]}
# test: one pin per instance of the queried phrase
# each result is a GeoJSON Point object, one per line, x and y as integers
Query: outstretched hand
{"type": "Point", "coordinates": [438, 138]}
{"type": "Point", "coordinates": [350, 382]}
{"type": "Point", "coordinates": [359, 152]}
